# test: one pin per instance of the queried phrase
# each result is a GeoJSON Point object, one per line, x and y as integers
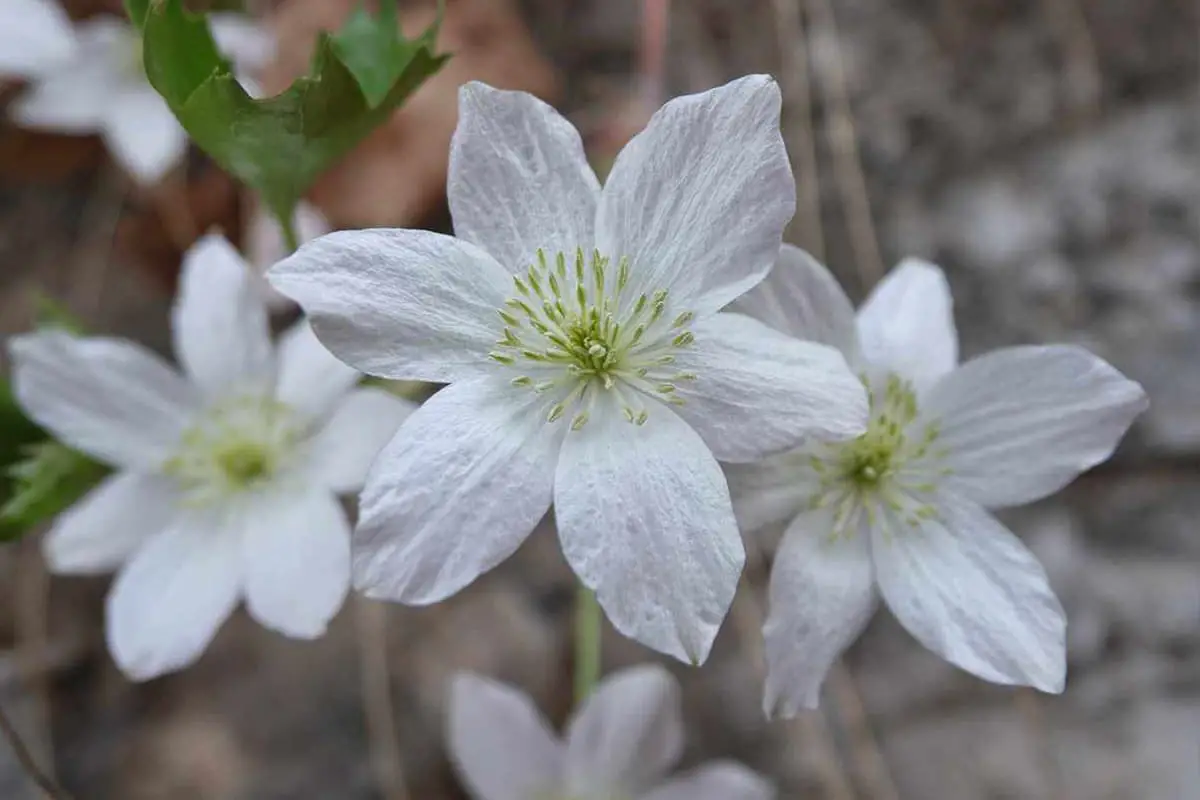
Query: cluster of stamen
{"type": "Point", "coordinates": [572, 330]}
{"type": "Point", "coordinates": [236, 446]}
{"type": "Point", "coordinates": [889, 467]}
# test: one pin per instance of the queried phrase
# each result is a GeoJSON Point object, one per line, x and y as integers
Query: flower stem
{"type": "Point", "coordinates": [287, 224]}
{"type": "Point", "coordinates": [27, 762]}
{"type": "Point", "coordinates": [587, 643]}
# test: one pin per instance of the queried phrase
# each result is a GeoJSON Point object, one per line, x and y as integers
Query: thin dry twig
{"type": "Point", "coordinates": [1081, 67]}
{"type": "Point", "coordinates": [32, 639]}
{"type": "Point", "coordinates": [1029, 705]}
{"type": "Point", "coordinates": [843, 140]}
{"type": "Point", "coordinates": [652, 51]}
{"type": "Point", "coordinates": [171, 201]}
{"type": "Point", "coordinates": [868, 758]}
{"type": "Point", "coordinates": [47, 784]}
{"type": "Point", "coordinates": [796, 87]}
{"type": "Point", "coordinates": [378, 712]}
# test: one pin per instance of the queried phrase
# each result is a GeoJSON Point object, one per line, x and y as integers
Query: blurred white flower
{"type": "Point", "coordinates": [621, 744]}
{"type": "Point", "coordinates": [89, 79]}
{"type": "Point", "coordinates": [265, 245]}
{"type": "Point", "coordinates": [226, 480]}
{"type": "Point", "coordinates": [587, 363]}
{"type": "Point", "coordinates": [35, 36]}
{"type": "Point", "coordinates": [900, 512]}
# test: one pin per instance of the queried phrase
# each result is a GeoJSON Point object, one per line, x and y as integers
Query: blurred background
{"type": "Point", "coordinates": [1045, 152]}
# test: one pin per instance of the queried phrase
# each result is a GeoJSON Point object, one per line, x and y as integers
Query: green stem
{"type": "Point", "coordinates": [289, 233]}
{"type": "Point", "coordinates": [587, 643]}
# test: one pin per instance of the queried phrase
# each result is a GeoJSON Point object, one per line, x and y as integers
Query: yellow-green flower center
{"type": "Point", "coordinates": [888, 468]}
{"type": "Point", "coordinates": [574, 329]}
{"type": "Point", "coordinates": [236, 446]}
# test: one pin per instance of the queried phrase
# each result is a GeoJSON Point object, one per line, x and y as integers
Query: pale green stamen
{"type": "Point", "coordinates": [574, 322]}
{"type": "Point", "coordinates": [236, 446]}
{"type": "Point", "coordinates": [885, 469]}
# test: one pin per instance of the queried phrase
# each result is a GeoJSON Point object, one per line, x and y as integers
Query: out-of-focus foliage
{"type": "Point", "coordinates": [279, 145]}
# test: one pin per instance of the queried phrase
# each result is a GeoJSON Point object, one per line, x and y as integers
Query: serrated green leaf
{"type": "Point", "coordinates": [279, 145]}
{"type": "Point", "coordinates": [137, 9]}
{"type": "Point", "coordinates": [50, 479]}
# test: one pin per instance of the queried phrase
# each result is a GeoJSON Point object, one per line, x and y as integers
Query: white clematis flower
{"type": "Point", "coordinates": [35, 36]}
{"type": "Point", "coordinates": [899, 512]}
{"type": "Point", "coordinates": [620, 744]}
{"type": "Point", "coordinates": [226, 480]}
{"type": "Point", "coordinates": [587, 363]}
{"type": "Point", "coordinates": [89, 79]}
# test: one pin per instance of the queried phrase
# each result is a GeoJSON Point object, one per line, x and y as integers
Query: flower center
{"type": "Point", "coordinates": [888, 467]}
{"type": "Point", "coordinates": [238, 445]}
{"type": "Point", "coordinates": [573, 331]}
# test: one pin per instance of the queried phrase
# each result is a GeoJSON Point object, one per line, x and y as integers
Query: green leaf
{"type": "Point", "coordinates": [279, 145]}
{"type": "Point", "coordinates": [50, 479]}
{"type": "Point", "coordinates": [137, 9]}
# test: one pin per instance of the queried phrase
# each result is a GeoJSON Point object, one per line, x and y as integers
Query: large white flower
{"type": "Point", "coordinates": [226, 480]}
{"type": "Point", "coordinates": [89, 79]}
{"type": "Point", "coordinates": [578, 329]}
{"type": "Point", "coordinates": [620, 744]}
{"type": "Point", "coordinates": [900, 510]}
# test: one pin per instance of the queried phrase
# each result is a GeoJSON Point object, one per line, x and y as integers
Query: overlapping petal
{"type": "Point", "coordinates": [142, 133]}
{"type": "Point", "coordinates": [757, 391]}
{"type": "Point", "coordinates": [967, 589]}
{"type": "Point", "coordinates": [1019, 424]}
{"type": "Point", "coordinates": [219, 321]}
{"type": "Point", "coordinates": [102, 530]}
{"type": "Point", "coordinates": [500, 743]}
{"type": "Point", "coordinates": [698, 200]}
{"type": "Point", "coordinates": [519, 179]}
{"type": "Point", "coordinates": [645, 521]}
{"type": "Point", "coordinates": [800, 297]}
{"type": "Point", "coordinates": [109, 398]}
{"type": "Point", "coordinates": [35, 36]}
{"type": "Point", "coordinates": [626, 736]}
{"type": "Point", "coordinates": [169, 600]}
{"type": "Point", "coordinates": [822, 596]}
{"type": "Point", "coordinates": [400, 304]}
{"type": "Point", "coordinates": [460, 487]}
{"type": "Point", "coordinates": [343, 450]}
{"type": "Point", "coordinates": [296, 560]}
{"type": "Point", "coordinates": [310, 379]}
{"type": "Point", "coordinates": [907, 327]}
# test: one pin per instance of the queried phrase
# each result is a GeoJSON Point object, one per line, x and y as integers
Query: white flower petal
{"type": "Point", "coordinates": [310, 378]}
{"type": "Point", "coordinates": [243, 40]}
{"type": "Point", "coordinates": [107, 397]}
{"type": "Point", "coordinates": [822, 596]}
{"type": "Point", "coordinates": [519, 179]}
{"type": "Point", "coordinates": [500, 744]}
{"type": "Point", "coordinates": [219, 322]}
{"type": "Point", "coordinates": [169, 600]}
{"type": "Point", "coordinates": [758, 391]}
{"type": "Point", "coordinates": [771, 491]}
{"type": "Point", "coordinates": [626, 736]}
{"type": "Point", "coordinates": [718, 780]}
{"type": "Point", "coordinates": [142, 134]}
{"type": "Point", "coordinates": [342, 451]}
{"type": "Point", "coordinates": [462, 484]}
{"type": "Point", "coordinates": [264, 245]}
{"type": "Point", "coordinates": [400, 304]}
{"type": "Point", "coordinates": [35, 36]}
{"type": "Point", "coordinates": [296, 560]}
{"type": "Point", "coordinates": [971, 592]}
{"type": "Point", "coordinates": [75, 100]}
{"type": "Point", "coordinates": [699, 199]}
{"type": "Point", "coordinates": [801, 298]}
{"type": "Point", "coordinates": [645, 521]}
{"type": "Point", "coordinates": [103, 529]}
{"type": "Point", "coordinates": [906, 326]}
{"type": "Point", "coordinates": [1022, 422]}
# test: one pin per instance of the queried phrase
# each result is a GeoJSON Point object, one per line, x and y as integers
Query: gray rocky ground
{"type": "Point", "coordinates": [1047, 154]}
